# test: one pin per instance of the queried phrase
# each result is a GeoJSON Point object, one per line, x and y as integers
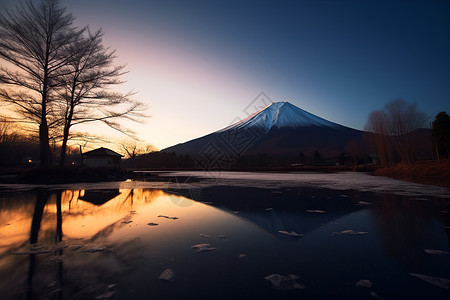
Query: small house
{"type": "Point", "coordinates": [102, 157]}
{"type": "Point", "coordinates": [98, 197]}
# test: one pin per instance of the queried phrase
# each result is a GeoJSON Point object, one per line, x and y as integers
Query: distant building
{"type": "Point", "coordinates": [98, 197]}
{"type": "Point", "coordinates": [102, 157]}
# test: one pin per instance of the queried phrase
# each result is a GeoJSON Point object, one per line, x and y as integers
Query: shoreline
{"type": "Point", "coordinates": [429, 173]}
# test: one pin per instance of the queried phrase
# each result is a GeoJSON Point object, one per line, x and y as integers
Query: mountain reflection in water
{"type": "Point", "coordinates": [82, 244]}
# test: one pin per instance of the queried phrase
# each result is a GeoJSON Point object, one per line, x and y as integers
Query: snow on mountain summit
{"type": "Point", "coordinates": [281, 115]}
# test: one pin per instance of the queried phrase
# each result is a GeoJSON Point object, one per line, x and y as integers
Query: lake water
{"type": "Point", "coordinates": [226, 236]}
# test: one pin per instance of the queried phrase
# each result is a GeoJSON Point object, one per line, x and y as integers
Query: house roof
{"type": "Point", "coordinates": [99, 197]}
{"type": "Point", "coordinates": [102, 152]}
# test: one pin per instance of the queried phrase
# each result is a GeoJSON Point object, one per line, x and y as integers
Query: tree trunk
{"type": "Point", "coordinates": [62, 155]}
{"type": "Point", "coordinates": [437, 153]}
{"type": "Point", "coordinates": [67, 124]}
{"type": "Point", "coordinates": [44, 145]}
{"type": "Point", "coordinates": [44, 142]}
{"type": "Point", "coordinates": [81, 155]}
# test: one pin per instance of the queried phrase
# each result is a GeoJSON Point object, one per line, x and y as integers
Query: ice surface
{"type": "Point", "coordinates": [437, 281]}
{"type": "Point", "coordinates": [109, 294]}
{"type": "Point", "coordinates": [284, 283]}
{"type": "Point", "coordinates": [95, 249]}
{"type": "Point", "coordinates": [290, 233]}
{"type": "Point", "coordinates": [350, 232]}
{"type": "Point", "coordinates": [316, 211]}
{"type": "Point", "coordinates": [167, 275]}
{"type": "Point", "coordinates": [106, 296]}
{"type": "Point", "coordinates": [39, 251]}
{"type": "Point", "coordinates": [364, 283]}
{"type": "Point", "coordinates": [337, 181]}
{"type": "Point", "coordinates": [167, 217]}
{"type": "Point", "coordinates": [374, 295]}
{"type": "Point", "coordinates": [203, 247]}
{"type": "Point", "coordinates": [436, 252]}
{"type": "Point", "coordinates": [34, 249]}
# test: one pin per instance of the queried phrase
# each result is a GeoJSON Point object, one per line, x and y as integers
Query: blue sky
{"type": "Point", "coordinates": [198, 64]}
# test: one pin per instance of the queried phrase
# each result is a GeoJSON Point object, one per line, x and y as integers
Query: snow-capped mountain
{"type": "Point", "coordinates": [281, 128]}
{"type": "Point", "coordinates": [281, 115]}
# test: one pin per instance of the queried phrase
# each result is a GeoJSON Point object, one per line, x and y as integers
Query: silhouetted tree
{"type": "Point", "coordinates": [342, 158]}
{"type": "Point", "coordinates": [33, 40]}
{"type": "Point", "coordinates": [378, 138]}
{"type": "Point", "coordinates": [317, 157]}
{"type": "Point", "coordinates": [83, 94]}
{"type": "Point", "coordinates": [402, 118]}
{"type": "Point", "coordinates": [354, 148]}
{"type": "Point", "coordinates": [133, 151]}
{"type": "Point", "coordinates": [4, 128]}
{"type": "Point", "coordinates": [392, 126]}
{"type": "Point", "coordinates": [441, 134]}
{"type": "Point", "coordinates": [301, 158]}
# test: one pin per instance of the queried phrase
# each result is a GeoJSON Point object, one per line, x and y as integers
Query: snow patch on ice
{"type": "Point", "coordinates": [315, 211]}
{"type": "Point", "coordinates": [364, 283]}
{"type": "Point", "coordinates": [290, 233]}
{"type": "Point", "coordinates": [437, 281]}
{"type": "Point", "coordinates": [350, 232]}
{"type": "Point", "coordinates": [284, 283]}
{"type": "Point", "coordinates": [167, 217]}
{"type": "Point", "coordinates": [436, 252]}
{"type": "Point", "coordinates": [167, 275]}
{"type": "Point", "coordinates": [203, 247]}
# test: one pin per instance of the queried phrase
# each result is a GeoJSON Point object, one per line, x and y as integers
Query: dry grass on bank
{"type": "Point", "coordinates": [427, 172]}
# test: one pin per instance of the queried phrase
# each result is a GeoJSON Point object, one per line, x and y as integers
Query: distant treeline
{"type": "Point", "coordinates": [20, 150]}
{"type": "Point", "coordinates": [170, 161]}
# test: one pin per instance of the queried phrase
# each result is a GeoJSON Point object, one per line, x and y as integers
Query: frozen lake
{"type": "Point", "coordinates": [226, 235]}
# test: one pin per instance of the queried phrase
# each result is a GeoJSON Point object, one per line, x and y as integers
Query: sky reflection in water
{"type": "Point", "coordinates": [97, 243]}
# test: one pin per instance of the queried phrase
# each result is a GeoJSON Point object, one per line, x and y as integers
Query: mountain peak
{"type": "Point", "coordinates": [281, 115]}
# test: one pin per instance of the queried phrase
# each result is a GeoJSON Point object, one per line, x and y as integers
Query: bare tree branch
{"type": "Point", "coordinates": [83, 96]}
{"type": "Point", "coordinates": [34, 38]}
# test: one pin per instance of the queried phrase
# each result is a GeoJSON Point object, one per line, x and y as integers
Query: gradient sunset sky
{"type": "Point", "coordinates": [199, 64]}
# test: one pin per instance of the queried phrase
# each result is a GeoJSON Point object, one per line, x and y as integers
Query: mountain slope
{"type": "Point", "coordinates": [281, 115]}
{"type": "Point", "coordinates": [278, 129]}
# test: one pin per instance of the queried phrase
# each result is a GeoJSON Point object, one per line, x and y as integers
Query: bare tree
{"type": "Point", "coordinates": [84, 96]}
{"type": "Point", "coordinates": [133, 150]}
{"type": "Point", "coordinates": [401, 119]}
{"type": "Point", "coordinates": [393, 125]}
{"type": "Point", "coordinates": [4, 126]}
{"type": "Point", "coordinates": [441, 135]}
{"type": "Point", "coordinates": [376, 125]}
{"type": "Point", "coordinates": [353, 148]}
{"type": "Point", "coordinates": [33, 40]}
